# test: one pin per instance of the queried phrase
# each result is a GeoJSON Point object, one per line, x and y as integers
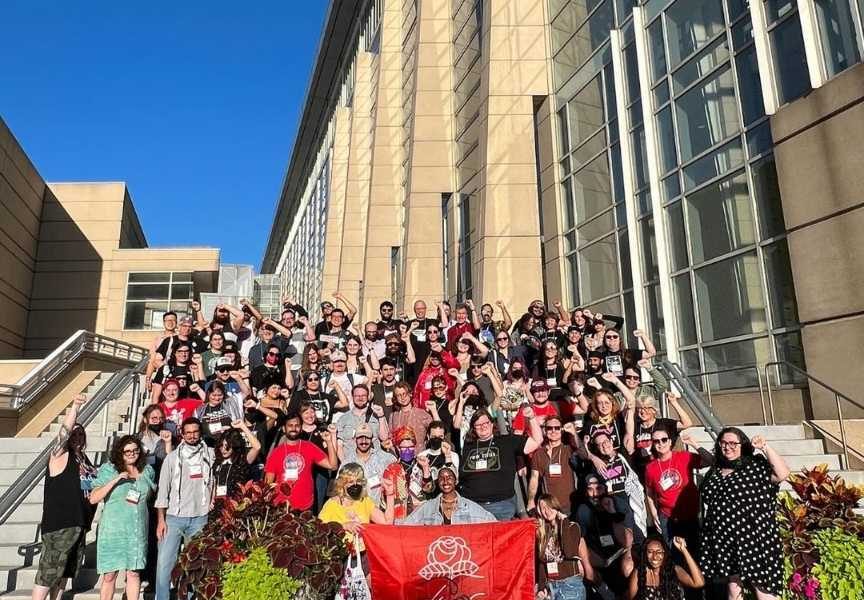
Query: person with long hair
{"type": "Point", "coordinates": [232, 459]}
{"type": "Point", "coordinates": [658, 578]}
{"type": "Point", "coordinates": [562, 556]}
{"type": "Point", "coordinates": [312, 362]}
{"type": "Point", "coordinates": [740, 536]}
{"type": "Point", "coordinates": [438, 364]}
{"type": "Point", "coordinates": [156, 435]}
{"type": "Point", "coordinates": [124, 483]}
{"type": "Point", "coordinates": [605, 414]}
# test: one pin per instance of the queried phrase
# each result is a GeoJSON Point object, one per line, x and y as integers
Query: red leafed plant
{"type": "Point", "coordinates": [308, 549]}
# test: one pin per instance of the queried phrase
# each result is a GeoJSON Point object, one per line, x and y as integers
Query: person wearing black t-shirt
{"type": "Point", "coordinates": [327, 323]}
{"type": "Point", "coordinates": [185, 369]}
{"type": "Point", "coordinates": [324, 403]}
{"type": "Point", "coordinates": [235, 450]}
{"type": "Point", "coordinates": [487, 469]}
{"type": "Point", "coordinates": [647, 422]}
{"type": "Point", "coordinates": [616, 359]}
{"type": "Point", "coordinates": [185, 333]}
{"type": "Point", "coordinates": [387, 324]}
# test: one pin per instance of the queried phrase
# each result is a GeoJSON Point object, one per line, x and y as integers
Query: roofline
{"type": "Point", "coordinates": [322, 93]}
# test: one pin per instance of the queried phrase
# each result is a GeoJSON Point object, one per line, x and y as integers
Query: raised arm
{"type": "Point", "coordinates": [475, 320]}
{"type": "Point", "coordinates": [58, 446]}
{"type": "Point", "coordinates": [507, 319]}
{"type": "Point", "coordinates": [350, 309]}
{"type": "Point", "coordinates": [252, 310]}
{"type": "Point", "coordinates": [562, 314]}
{"type": "Point", "coordinates": [630, 408]}
{"type": "Point", "coordinates": [650, 351]}
{"type": "Point", "coordinates": [254, 444]}
{"type": "Point", "coordinates": [781, 469]}
{"type": "Point", "coordinates": [684, 420]}
{"type": "Point", "coordinates": [691, 577]}
{"type": "Point", "coordinates": [442, 315]}
{"type": "Point", "coordinates": [236, 316]}
{"type": "Point", "coordinates": [481, 348]}
{"type": "Point", "coordinates": [536, 439]}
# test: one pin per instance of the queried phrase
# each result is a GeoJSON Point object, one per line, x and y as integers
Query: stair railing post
{"type": "Point", "coordinates": [842, 431]}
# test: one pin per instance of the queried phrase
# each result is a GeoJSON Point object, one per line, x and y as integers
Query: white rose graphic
{"type": "Point", "coordinates": [448, 557]}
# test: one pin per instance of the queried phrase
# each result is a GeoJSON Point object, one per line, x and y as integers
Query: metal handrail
{"type": "Point", "coordinates": [26, 389]}
{"type": "Point", "coordinates": [35, 471]}
{"type": "Point", "coordinates": [693, 397]}
{"type": "Point", "coordinates": [759, 382]}
{"type": "Point", "coordinates": [837, 396]}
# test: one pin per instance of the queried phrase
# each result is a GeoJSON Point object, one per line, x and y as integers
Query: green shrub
{"type": "Point", "coordinates": [257, 579]}
{"type": "Point", "coordinates": [840, 569]}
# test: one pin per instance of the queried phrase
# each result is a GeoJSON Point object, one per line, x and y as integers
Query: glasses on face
{"type": "Point", "coordinates": [611, 337]}
{"type": "Point", "coordinates": [632, 377]}
{"type": "Point", "coordinates": [476, 366]}
{"type": "Point", "coordinates": [431, 331]}
{"type": "Point", "coordinates": [662, 440]}
{"type": "Point", "coordinates": [552, 428]}
{"type": "Point", "coordinates": [363, 438]}
{"type": "Point", "coordinates": [727, 444]}
{"type": "Point", "coordinates": [313, 378]}
{"type": "Point", "coordinates": [483, 424]}
{"type": "Point", "coordinates": [131, 451]}
{"type": "Point", "coordinates": [392, 344]}
{"type": "Point", "coordinates": [276, 354]}
{"type": "Point", "coordinates": [439, 387]}
{"type": "Point", "coordinates": [503, 338]}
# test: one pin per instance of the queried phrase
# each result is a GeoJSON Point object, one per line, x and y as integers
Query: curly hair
{"type": "Point", "coordinates": [669, 588]}
{"type": "Point", "coordinates": [594, 414]}
{"type": "Point", "coordinates": [348, 471]}
{"type": "Point", "coordinates": [116, 456]}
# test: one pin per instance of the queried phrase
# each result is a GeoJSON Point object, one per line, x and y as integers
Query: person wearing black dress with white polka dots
{"type": "Point", "coordinates": [741, 542]}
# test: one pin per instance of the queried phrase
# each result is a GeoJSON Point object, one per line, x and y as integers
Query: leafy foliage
{"type": "Point", "coordinates": [814, 521]}
{"type": "Point", "coordinates": [257, 579]}
{"type": "Point", "coordinates": [305, 548]}
{"type": "Point", "coordinates": [840, 570]}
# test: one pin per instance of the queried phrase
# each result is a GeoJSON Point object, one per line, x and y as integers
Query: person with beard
{"type": "Point", "coordinates": [608, 538]}
{"type": "Point", "coordinates": [448, 507]}
{"type": "Point", "coordinates": [387, 324]}
{"type": "Point", "coordinates": [66, 513]}
{"type": "Point", "coordinates": [292, 463]}
{"type": "Point", "coordinates": [543, 408]}
{"type": "Point", "coordinates": [183, 499]}
{"type": "Point", "coordinates": [373, 460]}
{"type": "Point", "coordinates": [373, 342]}
{"type": "Point", "coordinates": [740, 538]}
{"type": "Point", "coordinates": [273, 370]}
{"type": "Point", "coordinates": [551, 467]}
{"type": "Point", "coordinates": [489, 328]}
{"type": "Point", "coordinates": [175, 409]}
{"type": "Point", "coordinates": [383, 386]}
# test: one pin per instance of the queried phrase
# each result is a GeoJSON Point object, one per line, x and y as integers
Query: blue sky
{"type": "Point", "coordinates": [194, 104]}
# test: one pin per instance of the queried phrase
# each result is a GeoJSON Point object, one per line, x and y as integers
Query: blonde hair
{"type": "Point", "coordinates": [348, 471]}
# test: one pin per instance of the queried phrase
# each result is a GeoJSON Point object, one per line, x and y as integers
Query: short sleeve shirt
{"type": "Point", "coordinates": [292, 464]}
{"type": "Point", "coordinates": [671, 483]}
{"type": "Point", "coordinates": [556, 476]}
{"type": "Point", "coordinates": [488, 469]}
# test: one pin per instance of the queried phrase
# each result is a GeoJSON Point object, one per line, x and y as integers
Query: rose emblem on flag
{"type": "Point", "coordinates": [448, 557]}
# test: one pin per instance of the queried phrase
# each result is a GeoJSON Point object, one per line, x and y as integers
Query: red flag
{"type": "Point", "coordinates": [489, 561]}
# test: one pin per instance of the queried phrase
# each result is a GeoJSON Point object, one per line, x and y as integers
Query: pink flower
{"type": "Point", "coordinates": [811, 590]}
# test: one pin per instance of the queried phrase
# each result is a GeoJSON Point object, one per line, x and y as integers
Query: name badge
{"type": "Point", "coordinates": [416, 488]}
{"type": "Point", "coordinates": [428, 385]}
{"type": "Point", "coordinates": [196, 472]}
{"type": "Point", "coordinates": [373, 482]}
{"type": "Point", "coordinates": [151, 459]}
{"type": "Point", "coordinates": [666, 483]}
{"type": "Point", "coordinates": [551, 568]}
{"type": "Point", "coordinates": [555, 470]}
{"type": "Point", "coordinates": [132, 496]}
{"type": "Point", "coordinates": [551, 382]}
{"type": "Point", "coordinates": [221, 490]}
{"type": "Point", "coordinates": [481, 465]}
{"type": "Point", "coordinates": [292, 474]}
{"type": "Point", "coordinates": [505, 365]}
{"type": "Point", "coordinates": [215, 427]}
{"type": "Point", "coordinates": [388, 396]}
{"type": "Point", "coordinates": [606, 541]}
{"type": "Point", "coordinates": [329, 339]}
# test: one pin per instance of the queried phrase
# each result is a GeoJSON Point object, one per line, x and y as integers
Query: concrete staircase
{"type": "Point", "coordinates": [19, 536]}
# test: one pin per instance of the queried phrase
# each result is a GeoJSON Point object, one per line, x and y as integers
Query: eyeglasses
{"type": "Point", "coordinates": [552, 428]}
{"type": "Point", "coordinates": [612, 337]}
{"type": "Point", "coordinates": [439, 387]}
{"type": "Point", "coordinates": [483, 424]}
{"type": "Point", "coordinates": [432, 331]}
{"type": "Point", "coordinates": [360, 438]}
{"type": "Point", "coordinates": [724, 444]}
{"type": "Point", "coordinates": [272, 354]}
{"type": "Point", "coordinates": [131, 452]}
{"type": "Point", "coordinates": [313, 379]}
{"type": "Point", "coordinates": [502, 339]}
{"type": "Point", "coordinates": [476, 366]}
{"type": "Point", "coordinates": [662, 440]}
{"type": "Point", "coordinates": [636, 377]}
{"type": "Point", "coordinates": [392, 344]}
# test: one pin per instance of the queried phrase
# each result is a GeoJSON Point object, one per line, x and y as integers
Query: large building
{"type": "Point", "coordinates": [649, 159]}
{"type": "Point", "coordinates": [74, 256]}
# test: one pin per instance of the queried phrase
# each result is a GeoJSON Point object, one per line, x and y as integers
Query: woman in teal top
{"type": "Point", "coordinates": [124, 483]}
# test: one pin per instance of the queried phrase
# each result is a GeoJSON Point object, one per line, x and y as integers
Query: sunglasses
{"type": "Point", "coordinates": [636, 377]}
{"type": "Point", "coordinates": [612, 337]}
{"type": "Point", "coordinates": [272, 354]}
{"type": "Point", "coordinates": [552, 428]}
{"type": "Point", "coordinates": [313, 379]}
{"type": "Point", "coordinates": [432, 331]}
{"type": "Point", "coordinates": [502, 339]}
{"type": "Point", "coordinates": [662, 440]}
{"type": "Point", "coordinates": [223, 369]}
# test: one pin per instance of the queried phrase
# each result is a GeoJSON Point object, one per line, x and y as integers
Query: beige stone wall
{"type": "Point", "coordinates": [819, 163]}
{"type": "Point", "coordinates": [21, 194]}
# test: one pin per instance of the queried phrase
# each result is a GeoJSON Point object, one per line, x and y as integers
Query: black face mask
{"type": "Point", "coordinates": [434, 444]}
{"type": "Point", "coordinates": [517, 373]}
{"type": "Point", "coordinates": [354, 491]}
{"type": "Point", "coordinates": [155, 427]}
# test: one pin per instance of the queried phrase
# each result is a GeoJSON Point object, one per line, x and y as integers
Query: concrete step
{"type": "Point", "coordinates": [20, 532]}
{"type": "Point", "coordinates": [16, 578]}
{"type": "Point", "coordinates": [784, 447]}
{"type": "Point", "coordinates": [36, 444]}
{"type": "Point", "coordinates": [801, 461]}
{"type": "Point", "coordinates": [27, 554]}
{"type": "Point", "coordinates": [770, 433]}
{"type": "Point", "coordinates": [35, 495]}
{"type": "Point", "coordinates": [21, 460]}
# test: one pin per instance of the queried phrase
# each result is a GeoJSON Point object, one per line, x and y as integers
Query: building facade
{"type": "Point", "coordinates": [625, 156]}
{"type": "Point", "coordinates": [74, 256]}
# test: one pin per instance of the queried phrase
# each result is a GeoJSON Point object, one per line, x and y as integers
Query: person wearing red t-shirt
{"type": "Point", "coordinates": [462, 324]}
{"type": "Point", "coordinates": [541, 405]}
{"type": "Point", "coordinates": [176, 410]}
{"type": "Point", "coordinates": [671, 493]}
{"type": "Point", "coordinates": [291, 462]}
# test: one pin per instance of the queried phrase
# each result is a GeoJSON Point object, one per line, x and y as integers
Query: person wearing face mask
{"type": "Point", "coordinates": [183, 499]}
{"type": "Point", "coordinates": [439, 450]}
{"type": "Point", "coordinates": [413, 485]}
{"type": "Point", "coordinates": [156, 436]}
{"type": "Point", "coordinates": [373, 460]}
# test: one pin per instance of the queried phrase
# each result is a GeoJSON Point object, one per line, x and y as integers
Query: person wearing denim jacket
{"type": "Point", "coordinates": [448, 508]}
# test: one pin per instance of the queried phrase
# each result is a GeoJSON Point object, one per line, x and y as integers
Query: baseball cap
{"type": "Point", "coordinates": [187, 321]}
{"type": "Point", "coordinates": [363, 430]}
{"type": "Point", "coordinates": [539, 386]}
{"type": "Point", "coordinates": [337, 356]}
{"type": "Point", "coordinates": [224, 361]}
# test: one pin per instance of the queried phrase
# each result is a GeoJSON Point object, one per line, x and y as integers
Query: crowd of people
{"type": "Point", "coordinates": [446, 417]}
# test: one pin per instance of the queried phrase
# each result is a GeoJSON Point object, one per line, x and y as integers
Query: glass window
{"type": "Point", "coordinates": [707, 115]}
{"type": "Point", "coordinates": [690, 24]}
{"type": "Point", "coordinates": [742, 33]}
{"type": "Point", "coordinates": [717, 163]}
{"type": "Point", "coordinates": [598, 268]}
{"type": "Point", "coordinates": [684, 310]}
{"type": "Point", "coordinates": [790, 349]}
{"type": "Point", "coordinates": [781, 290]}
{"type": "Point", "coordinates": [640, 158]}
{"type": "Point", "coordinates": [631, 73]}
{"type": "Point", "coordinates": [624, 259]}
{"type": "Point", "coordinates": [677, 239]}
{"type": "Point", "coordinates": [666, 133]}
{"type": "Point", "coordinates": [720, 218]}
{"type": "Point", "coordinates": [149, 277]}
{"type": "Point", "coordinates": [617, 172]}
{"type": "Point", "coordinates": [612, 306]}
{"type": "Point", "coordinates": [701, 65]}
{"type": "Point", "coordinates": [656, 325]}
{"type": "Point", "coordinates": [790, 63]}
{"type": "Point", "coordinates": [777, 9]}
{"type": "Point", "coordinates": [569, 215]}
{"type": "Point", "coordinates": [657, 50]}
{"type": "Point", "coordinates": [596, 227]}
{"type": "Point", "coordinates": [591, 189]}
{"type": "Point", "coordinates": [573, 279]}
{"type": "Point", "coordinates": [692, 366]}
{"type": "Point", "coordinates": [671, 187]}
{"type": "Point", "coordinates": [562, 128]}
{"type": "Point", "coordinates": [837, 35]}
{"type": "Point", "coordinates": [661, 94]}
{"type": "Point", "coordinates": [737, 8]}
{"type": "Point", "coordinates": [737, 354]}
{"type": "Point", "coordinates": [730, 299]}
{"type": "Point", "coordinates": [585, 112]}
{"type": "Point", "coordinates": [750, 87]}
{"type": "Point", "coordinates": [767, 194]}
{"type": "Point", "coordinates": [151, 295]}
{"type": "Point", "coordinates": [589, 149]}
{"type": "Point", "coordinates": [759, 139]}
{"type": "Point", "coordinates": [649, 248]}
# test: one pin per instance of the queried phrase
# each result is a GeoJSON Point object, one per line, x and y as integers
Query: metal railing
{"type": "Point", "coordinates": [692, 397]}
{"type": "Point", "coordinates": [766, 410]}
{"type": "Point", "coordinates": [837, 397]}
{"type": "Point", "coordinates": [81, 342]}
{"type": "Point", "coordinates": [33, 474]}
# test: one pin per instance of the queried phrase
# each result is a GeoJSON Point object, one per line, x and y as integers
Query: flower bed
{"type": "Point", "coordinates": [258, 549]}
{"type": "Point", "coordinates": [823, 537]}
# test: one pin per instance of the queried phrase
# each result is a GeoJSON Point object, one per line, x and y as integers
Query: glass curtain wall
{"type": "Point", "coordinates": [595, 227]}
{"type": "Point", "coordinates": [733, 296]}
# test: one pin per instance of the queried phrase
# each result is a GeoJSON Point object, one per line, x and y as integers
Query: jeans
{"type": "Point", "coordinates": [179, 529]}
{"type": "Point", "coordinates": [502, 510]}
{"type": "Point", "coordinates": [571, 588]}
